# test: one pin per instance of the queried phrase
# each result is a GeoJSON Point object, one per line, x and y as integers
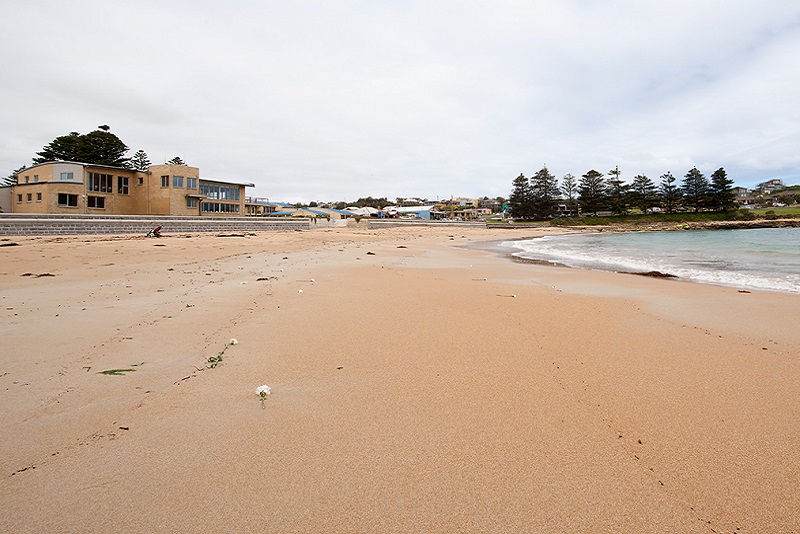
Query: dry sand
{"type": "Point", "coordinates": [410, 390]}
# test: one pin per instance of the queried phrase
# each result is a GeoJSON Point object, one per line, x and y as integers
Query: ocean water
{"type": "Point", "coordinates": [764, 258]}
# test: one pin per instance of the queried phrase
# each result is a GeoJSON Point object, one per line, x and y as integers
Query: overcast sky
{"type": "Point", "coordinates": [341, 99]}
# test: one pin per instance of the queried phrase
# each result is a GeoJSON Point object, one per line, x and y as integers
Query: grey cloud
{"type": "Point", "coordinates": [334, 100]}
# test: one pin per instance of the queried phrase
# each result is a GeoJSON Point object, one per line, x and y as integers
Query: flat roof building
{"type": "Point", "coordinates": [72, 187]}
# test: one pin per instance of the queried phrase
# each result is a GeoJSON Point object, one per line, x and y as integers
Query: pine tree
{"type": "Point", "coordinates": [614, 174]}
{"type": "Point", "coordinates": [544, 193]}
{"type": "Point", "coordinates": [176, 161]}
{"type": "Point", "coordinates": [12, 179]}
{"type": "Point", "coordinates": [670, 193]}
{"type": "Point", "coordinates": [100, 147]}
{"type": "Point", "coordinates": [643, 192]}
{"type": "Point", "coordinates": [592, 192]}
{"type": "Point", "coordinates": [721, 191]}
{"type": "Point", "coordinates": [140, 161]}
{"type": "Point", "coordinates": [520, 199]}
{"type": "Point", "coordinates": [695, 189]}
{"type": "Point", "coordinates": [617, 192]}
{"type": "Point", "coordinates": [569, 188]}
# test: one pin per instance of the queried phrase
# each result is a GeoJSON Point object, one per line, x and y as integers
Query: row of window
{"type": "Point", "coordinates": [104, 183]}
{"type": "Point", "coordinates": [71, 201]}
{"type": "Point", "coordinates": [177, 182]}
{"type": "Point", "coordinates": [220, 192]}
{"type": "Point", "coordinates": [101, 183]}
{"type": "Point", "coordinates": [70, 176]}
{"type": "Point", "coordinates": [29, 197]}
{"type": "Point", "coordinates": [67, 200]}
{"type": "Point", "coordinates": [218, 207]}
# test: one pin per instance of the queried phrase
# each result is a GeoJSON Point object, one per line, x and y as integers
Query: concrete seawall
{"type": "Point", "coordinates": [31, 225]}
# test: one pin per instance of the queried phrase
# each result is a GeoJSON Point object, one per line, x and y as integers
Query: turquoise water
{"type": "Point", "coordinates": [764, 258]}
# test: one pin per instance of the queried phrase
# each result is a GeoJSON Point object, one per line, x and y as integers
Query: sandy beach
{"type": "Point", "coordinates": [420, 382]}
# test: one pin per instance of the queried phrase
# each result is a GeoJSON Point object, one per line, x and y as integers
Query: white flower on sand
{"type": "Point", "coordinates": [263, 391]}
{"type": "Point", "coordinates": [233, 341]}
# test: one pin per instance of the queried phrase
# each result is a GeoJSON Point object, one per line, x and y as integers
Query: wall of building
{"type": "Point", "coordinates": [162, 190]}
{"type": "Point", "coordinates": [171, 200]}
{"type": "Point", "coordinates": [5, 200]}
{"type": "Point", "coordinates": [45, 183]}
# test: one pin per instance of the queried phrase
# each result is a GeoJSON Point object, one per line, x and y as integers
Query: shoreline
{"type": "Point", "coordinates": [418, 383]}
{"type": "Point", "coordinates": [513, 254]}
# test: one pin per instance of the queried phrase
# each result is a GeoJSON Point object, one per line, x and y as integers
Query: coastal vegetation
{"type": "Point", "coordinates": [597, 198]}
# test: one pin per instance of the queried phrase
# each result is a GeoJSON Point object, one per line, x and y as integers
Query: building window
{"type": "Point", "coordinates": [122, 185]}
{"type": "Point", "coordinates": [165, 181]}
{"type": "Point", "coordinates": [19, 198]}
{"type": "Point", "coordinates": [66, 176]}
{"type": "Point", "coordinates": [28, 197]}
{"type": "Point", "coordinates": [218, 207]}
{"type": "Point", "coordinates": [96, 202]}
{"type": "Point", "coordinates": [64, 199]}
{"type": "Point", "coordinates": [177, 181]}
{"type": "Point", "coordinates": [191, 183]}
{"type": "Point", "coordinates": [191, 202]}
{"type": "Point", "coordinates": [102, 183]}
{"type": "Point", "coordinates": [220, 192]}
{"type": "Point", "coordinates": [27, 179]}
{"type": "Point", "coordinates": [36, 178]}
{"type": "Point", "coordinates": [140, 180]}
{"type": "Point", "coordinates": [38, 197]}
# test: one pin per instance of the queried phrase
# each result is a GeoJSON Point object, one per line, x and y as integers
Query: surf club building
{"type": "Point", "coordinates": [63, 187]}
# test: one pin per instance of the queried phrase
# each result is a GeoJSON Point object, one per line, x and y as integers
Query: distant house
{"type": "Point", "coordinates": [492, 203]}
{"type": "Point", "coordinates": [741, 192]}
{"type": "Point", "coordinates": [464, 202]}
{"type": "Point", "coordinates": [259, 207]}
{"type": "Point", "coordinates": [770, 186]}
{"type": "Point", "coordinates": [472, 213]}
{"type": "Point", "coordinates": [322, 213]}
{"type": "Point", "coordinates": [70, 187]}
{"type": "Point", "coordinates": [420, 212]}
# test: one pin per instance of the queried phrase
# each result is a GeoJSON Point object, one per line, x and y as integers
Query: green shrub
{"type": "Point", "coordinates": [745, 214]}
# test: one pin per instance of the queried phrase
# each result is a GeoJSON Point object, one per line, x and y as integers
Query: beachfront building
{"type": "Point", "coordinates": [64, 187]}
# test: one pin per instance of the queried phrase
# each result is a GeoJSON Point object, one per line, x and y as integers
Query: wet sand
{"type": "Point", "coordinates": [419, 383]}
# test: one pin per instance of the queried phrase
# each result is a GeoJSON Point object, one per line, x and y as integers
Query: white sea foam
{"type": "Point", "coordinates": [766, 259]}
